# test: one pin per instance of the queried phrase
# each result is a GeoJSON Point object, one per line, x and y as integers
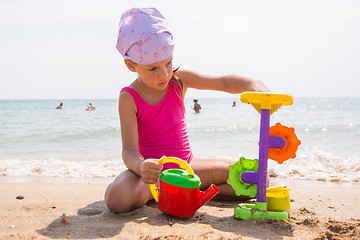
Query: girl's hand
{"type": "Point", "coordinates": [256, 85]}
{"type": "Point", "coordinates": [150, 171]}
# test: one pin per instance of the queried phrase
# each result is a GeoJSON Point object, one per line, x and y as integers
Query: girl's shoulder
{"type": "Point", "coordinates": [126, 102]}
{"type": "Point", "coordinates": [126, 95]}
{"type": "Point", "coordinates": [130, 90]}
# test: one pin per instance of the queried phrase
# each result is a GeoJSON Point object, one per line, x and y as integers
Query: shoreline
{"type": "Point", "coordinates": [274, 181]}
{"type": "Point", "coordinates": [325, 211]}
{"type": "Point", "coordinates": [43, 179]}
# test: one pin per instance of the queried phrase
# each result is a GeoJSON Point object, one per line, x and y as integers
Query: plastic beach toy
{"type": "Point", "coordinates": [269, 101]}
{"type": "Point", "coordinates": [291, 143]}
{"type": "Point", "coordinates": [278, 199]}
{"type": "Point", "coordinates": [236, 170]}
{"type": "Point", "coordinates": [248, 177]}
{"type": "Point", "coordinates": [179, 192]}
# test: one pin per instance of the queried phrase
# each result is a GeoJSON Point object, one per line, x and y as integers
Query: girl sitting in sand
{"type": "Point", "coordinates": [152, 111]}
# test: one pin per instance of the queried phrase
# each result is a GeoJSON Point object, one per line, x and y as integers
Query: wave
{"type": "Point", "coordinates": [320, 166]}
{"type": "Point", "coordinates": [59, 135]}
{"type": "Point", "coordinates": [80, 134]}
{"type": "Point", "coordinates": [313, 165]}
{"type": "Point", "coordinates": [54, 167]}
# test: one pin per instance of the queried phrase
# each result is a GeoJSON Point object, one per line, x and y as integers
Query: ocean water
{"type": "Point", "coordinates": [37, 140]}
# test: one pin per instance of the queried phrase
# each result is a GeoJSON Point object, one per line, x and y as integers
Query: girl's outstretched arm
{"type": "Point", "coordinates": [148, 169]}
{"type": "Point", "coordinates": [226, 83]}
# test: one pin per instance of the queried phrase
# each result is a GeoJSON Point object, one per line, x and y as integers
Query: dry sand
{"type": "Point", "coordinates": [317, 212]}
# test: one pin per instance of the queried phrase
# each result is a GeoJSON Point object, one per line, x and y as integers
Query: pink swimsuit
{"type": "Point", "coordinates": [162, 127]}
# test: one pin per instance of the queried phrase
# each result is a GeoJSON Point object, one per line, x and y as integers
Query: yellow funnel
{"type": "Point", "coordinates": [265, 100]}
{"type": "Point", "coordinates": [278, 199]}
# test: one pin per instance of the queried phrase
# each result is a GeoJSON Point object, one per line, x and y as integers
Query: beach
{"type": "Point", "coordinates": [61, 140]}
{"type": "Point", "coordinates": [319, 210]}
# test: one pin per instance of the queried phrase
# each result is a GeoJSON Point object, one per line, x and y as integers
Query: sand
{"type": "Point", "coordinates": [318, 211]}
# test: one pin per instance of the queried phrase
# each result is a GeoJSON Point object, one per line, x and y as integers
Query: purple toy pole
{"type": "Point", "coordinates": [263, 155]}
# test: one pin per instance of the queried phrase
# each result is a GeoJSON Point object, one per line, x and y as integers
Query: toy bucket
{"type": "Point", "coordinates": [278, 199]}
{"type": "Point", "coordinates": [179, 191]}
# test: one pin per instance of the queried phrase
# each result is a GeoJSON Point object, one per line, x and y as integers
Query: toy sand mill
{"type": "Point", "coordinates": [249, 176]}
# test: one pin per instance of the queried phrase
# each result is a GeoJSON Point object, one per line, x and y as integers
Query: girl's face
{"type": "Point", "coordinates": [157, 75]}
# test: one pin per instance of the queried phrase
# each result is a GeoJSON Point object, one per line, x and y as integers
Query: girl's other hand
{"type": "Point", "coordinates": [257, 85]}
{"type": "Point", "coordinates": [150, 171]}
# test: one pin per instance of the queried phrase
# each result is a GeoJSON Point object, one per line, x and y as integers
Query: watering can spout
{"type": "Point", "coordinates": [204, 197]}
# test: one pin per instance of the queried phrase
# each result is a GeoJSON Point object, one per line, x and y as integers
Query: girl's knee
{"type": "Point", "coordinates": [115, 200]}
{"type": "Point", "coordinates": [120, 197]}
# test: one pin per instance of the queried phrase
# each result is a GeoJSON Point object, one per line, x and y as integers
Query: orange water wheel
{"type": "Point", "coordinates": [291, 143]}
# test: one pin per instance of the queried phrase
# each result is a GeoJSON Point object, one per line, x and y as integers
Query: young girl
{"type": "Point", "coordinates": [152, 111]}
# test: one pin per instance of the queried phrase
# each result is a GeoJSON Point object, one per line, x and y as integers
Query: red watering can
{"type": "Point", "coordinates": [179, 192]}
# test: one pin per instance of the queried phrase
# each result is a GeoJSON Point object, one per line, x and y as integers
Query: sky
{"type": "Point", "coordinates": [65, 49]}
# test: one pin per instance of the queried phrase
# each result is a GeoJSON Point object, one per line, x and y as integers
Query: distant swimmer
{"type": "Point", "coordinates": [90, 107]}
{"type": "Point", "coordinates": [60, 106]}
{"type": "Point", "coordinates": [196, 106]}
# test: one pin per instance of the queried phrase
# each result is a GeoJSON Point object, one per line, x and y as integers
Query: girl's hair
{"type": "Point", "coordinates": [178, 83]}
{"type": "Point", "coordinates": [177, 80]}
{"type": "Point", "coordinates": [175, 70]}
{"type": "Point", "coordinates": [178, 86]}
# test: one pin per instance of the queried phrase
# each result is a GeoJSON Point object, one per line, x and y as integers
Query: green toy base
{"type": "Point", "coordinates": [248, 211]}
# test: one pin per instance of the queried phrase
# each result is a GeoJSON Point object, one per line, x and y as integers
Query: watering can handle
{"type": "Point", "coordinates": [183, 164]}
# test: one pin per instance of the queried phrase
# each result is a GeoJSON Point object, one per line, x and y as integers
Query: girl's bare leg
{"type": "Point", "coordinates": [216, 171]}
{"type": "Point", "coordinates": [127, 192]}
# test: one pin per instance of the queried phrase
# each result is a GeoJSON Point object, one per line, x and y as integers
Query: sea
{"type": "Point", "coordinates": [39, 141]}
